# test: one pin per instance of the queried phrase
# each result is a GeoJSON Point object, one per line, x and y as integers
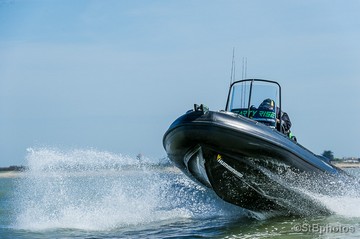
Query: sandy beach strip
{"type": "Point", "coordinates": [10, 174]}
{"type": "Point", "coordinates": [347, 165]}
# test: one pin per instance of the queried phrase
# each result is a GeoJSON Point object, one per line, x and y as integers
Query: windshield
{"type": "Point", "coordinates": [257, 99]}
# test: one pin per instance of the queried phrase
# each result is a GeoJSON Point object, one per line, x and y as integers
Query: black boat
{"type": "Point", "coordinates": [244, 156]}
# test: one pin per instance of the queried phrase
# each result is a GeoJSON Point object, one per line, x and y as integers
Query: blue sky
{"type": "Point", "coordinates": [113, 75]}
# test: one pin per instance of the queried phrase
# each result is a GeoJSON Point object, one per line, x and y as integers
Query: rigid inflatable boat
{"type": "Point", "coordinates": [244, 156]}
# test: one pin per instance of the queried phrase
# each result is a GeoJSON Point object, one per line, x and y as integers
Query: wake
{"type": "Point", "coordinates": [313, 194]}
{"type": "Point", "coordinates": [87, 189]}
{"type": "Point", "coordinates": [95, 190]}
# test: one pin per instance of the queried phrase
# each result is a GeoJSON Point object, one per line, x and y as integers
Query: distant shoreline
{"type": "Point", "coordinates": [10, 174]}
{"type": "Point", "coordinates": [13, 172]}
{"type": "Point", "coordinates": [347, 165]}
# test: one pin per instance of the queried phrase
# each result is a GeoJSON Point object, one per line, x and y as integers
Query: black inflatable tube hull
{"type": "Point", "coordinates": [231, 154]}
{"type": "Point", "coordinates": [237, 135]}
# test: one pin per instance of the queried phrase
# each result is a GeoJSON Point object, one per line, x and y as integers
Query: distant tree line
{"type": "Point", "coordinates": [13, 168]}
{"type": "Point", "coordinates": [328, 154]}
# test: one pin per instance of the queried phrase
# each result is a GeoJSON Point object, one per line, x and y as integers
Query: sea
{"type": "Point", "coordinates": [87, 193]}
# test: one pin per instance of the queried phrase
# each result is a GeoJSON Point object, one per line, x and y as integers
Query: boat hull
{"type": "Point", "coordinates": [243, 161]}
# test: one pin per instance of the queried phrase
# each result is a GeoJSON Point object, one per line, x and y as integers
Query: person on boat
{"type": "Point", "coordinates": [268, 105]}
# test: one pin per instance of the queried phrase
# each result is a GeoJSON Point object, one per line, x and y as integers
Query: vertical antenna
{"type": "Point", "coordinates": [232, 75]}
{"type": "Point", "coordinates": [243, 86]}
{"type": "Point", "coordinates": [245, 67]}
{"type": "Point", "coordinates": [242, 72]}
{"type": "Point", "coordinates": [234, 71]}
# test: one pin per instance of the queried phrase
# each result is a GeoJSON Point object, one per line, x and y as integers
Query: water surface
{"type": "Point", "coordinates": [92, 194]}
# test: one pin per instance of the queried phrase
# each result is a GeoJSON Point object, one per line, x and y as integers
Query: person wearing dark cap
{"type": "Point", "coordinates": [268, 106]}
